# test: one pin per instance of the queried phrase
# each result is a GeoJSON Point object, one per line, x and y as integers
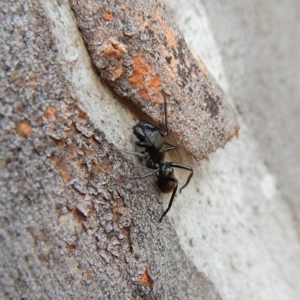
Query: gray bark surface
{"type": "Point", "coordinates": [72, 225]}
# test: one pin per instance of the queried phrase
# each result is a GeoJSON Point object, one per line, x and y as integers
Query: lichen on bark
{"type": "Point", "coordinates": [72, 226]}
{"type": "Point", "coordinates": [138, 50]}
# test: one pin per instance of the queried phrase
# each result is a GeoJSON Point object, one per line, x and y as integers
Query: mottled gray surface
{"type": "Point", "coordinates": [72, 226]}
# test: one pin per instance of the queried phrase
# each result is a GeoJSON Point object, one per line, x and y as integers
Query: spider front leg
{"type": "Point", "coordinates": [140, 154]}
{"type": "Point", "coordinates": [169, 180]}
{"type": "Point", "coordinates": [143, 176]}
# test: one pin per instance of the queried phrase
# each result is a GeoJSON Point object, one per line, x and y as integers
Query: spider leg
{"type": "Point", "coordinates": [140, 154]}
{"type": "Point", "coordinates": [166, 119]}
{"type": "Point", "coordinates": [144, 144]}
{"type": "Point", "coordinates": [169, 148]}
{"type": "Point", "coordinates": [150, 164]}
{"type": "Point", "coordinates": [163, 133]}
{"type": "Point", "coordinates": [173, 194]}
{"type": "Point", "coordinates": [143, 176]}
{"type": "Point", "coordinates": [175, 165]}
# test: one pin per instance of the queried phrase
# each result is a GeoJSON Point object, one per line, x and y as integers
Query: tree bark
{"type": "Point", "coordinates": [138, 50]}
{"type": "Point", "coordinates": [73, 226]}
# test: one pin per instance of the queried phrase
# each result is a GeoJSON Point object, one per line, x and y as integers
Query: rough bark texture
{"type": "Point", "coordinates": [72, 227]}
{"type": "Point", "coordinates": [138, 50]}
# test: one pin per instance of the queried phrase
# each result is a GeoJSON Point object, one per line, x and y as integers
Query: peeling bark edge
{"type": "Point", "coordinates": [139, 51]}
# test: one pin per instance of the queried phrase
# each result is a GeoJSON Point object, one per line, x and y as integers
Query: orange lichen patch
{"type": "Point", "coordinates": [112, 83]}
{"type": "Point", "coordinates": [50, 112]}
{"type": "Point", "coordinates": [62, 220]}
{"type": "Point", "coordinates": [73, 151]}
{"type": "Point", "coordinates": [41, 149]}
{"type": "Point", "coordinates": [90, 212]}
{"type": "Point", "coordinates": [154, 83]}
{"type": "Point", "coordinates": [65, 174]}
{"type": "Point", "coordinates": [60, 166]}
{"type": "Point", "coordinates": [33, 83]}
{"type": "Point", "coordinates": [18, 81]}
{"type": "Point", "coordinates": [145, 279]}
{"type": "Point", "coordinates": [144, 94]}
{"type": "Point", "coordinates": [59, 143]}
{"type": "Point", "coordinates": [116, 215]}
{"type": "Point", "coordinates": [169, 32]}
{"type": "Point", "coordinates": [89, 274]}
{"type": "Point", "coordinates": [191, 116]}
{"type": "Point", "coordinates": [104, 167]}
{"type": "Point", "coordinates": [139, 70]}
{"type": "Point", "coordinates": [82, 114]}
{"type": "Point", "coordinates": [157, 98]}
{"type": "Point", "coordinates": [119, 179]}
{"type": "Point", "coordinates": [108, 16]}
{"type": "Point", "coordinates": [70, 247]}
{"type": "Point", "coordinates": [140, 66]}
{"type": "Point", "coordinates": [114, 49]}
{"type": "Point", "coordinates": [78, 214]}
{"type": "Point", "coordinates": [116, 72]}
{"type": "Point", "coordinates": [111, 52]}
{"type": "Point", "coordinates": [24, 129]}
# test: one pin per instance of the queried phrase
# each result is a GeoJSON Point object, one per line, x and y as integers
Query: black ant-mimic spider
{"type": "Point", "coordinates": [151, 138]}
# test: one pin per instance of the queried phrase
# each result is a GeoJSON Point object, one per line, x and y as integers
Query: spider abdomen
{"type": "Point", "coordinates": [165, 186]}
{"type": "Point", "coordinates": [163, 178]}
